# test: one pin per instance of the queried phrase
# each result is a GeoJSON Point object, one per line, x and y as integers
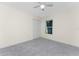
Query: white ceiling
{"type": "Point", "coordinates": [28, 6]}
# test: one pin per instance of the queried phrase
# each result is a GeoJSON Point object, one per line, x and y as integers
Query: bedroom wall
{"type": "Point", "coordinates": [76, 25]}
{"type": "Point", "coordinates": [15, 26]}
{"type": "Point", "coordinates": [65, 24]}
{"type": "Point", "coordinates": [65, 28]}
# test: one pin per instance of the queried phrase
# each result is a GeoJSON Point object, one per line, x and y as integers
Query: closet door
{"type": "Point", "coordinates": [36, 29]}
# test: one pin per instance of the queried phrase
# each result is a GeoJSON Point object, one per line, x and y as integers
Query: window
{"type": "Point", "coordinates": [49, 26]}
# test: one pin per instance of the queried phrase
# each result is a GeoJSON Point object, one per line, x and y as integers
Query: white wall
{"type": "Point", "coordinates": [76, 26]}
{"type": "Point", "coordinates": [65, 25]}
{"type": "Point", "coordinates": [15, 26]}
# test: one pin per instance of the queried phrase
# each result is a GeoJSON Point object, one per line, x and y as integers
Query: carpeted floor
{"type": "Point", "coordinates": [40, 47]}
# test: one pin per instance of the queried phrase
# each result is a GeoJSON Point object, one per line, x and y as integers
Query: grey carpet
{"type": "Point", "coordinates": [40, 47]}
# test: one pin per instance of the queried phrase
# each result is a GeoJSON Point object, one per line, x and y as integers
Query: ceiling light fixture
{"type": "Point", "coordinates": [42, 6]}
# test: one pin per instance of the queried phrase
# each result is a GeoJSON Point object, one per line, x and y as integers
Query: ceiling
{"type": "Point", "coordinates": [28, 6]}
